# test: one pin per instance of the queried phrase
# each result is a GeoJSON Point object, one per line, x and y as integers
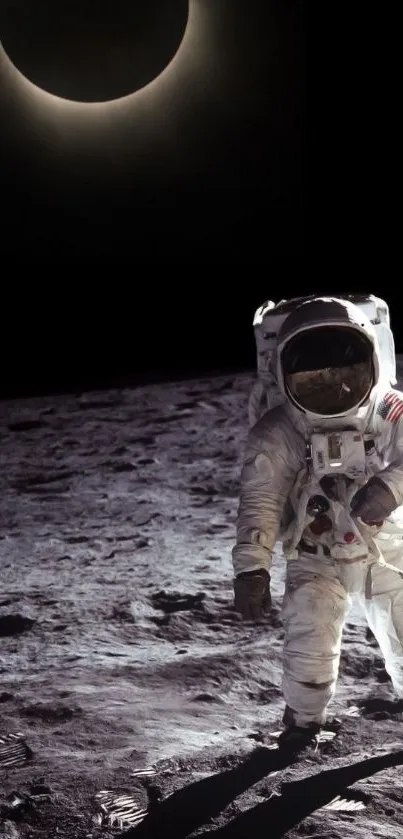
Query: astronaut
{"type": "Point", "coordinates": [323, 476]}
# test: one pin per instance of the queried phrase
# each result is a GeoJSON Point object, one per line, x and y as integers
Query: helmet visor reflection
{"type": "Point", "coordinates": [328, 374]}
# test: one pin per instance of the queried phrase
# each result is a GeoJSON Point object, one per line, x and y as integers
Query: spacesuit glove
{"type": "Point", "coordinates": [252, 593]}
{"type": "Point", "coordinates": [374, 502]}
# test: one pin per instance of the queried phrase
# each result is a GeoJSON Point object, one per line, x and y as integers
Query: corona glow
{"type": "Point", "coordinates": [186, 66]}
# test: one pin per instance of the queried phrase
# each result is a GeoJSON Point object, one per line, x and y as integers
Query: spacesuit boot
{"type": "Point", "coordinates": [295, 738]}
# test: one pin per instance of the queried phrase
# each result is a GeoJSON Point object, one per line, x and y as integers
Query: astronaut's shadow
{"type": "Point", "coordinates": [196, 804]}
{"type": "Point", "coordinates": [299, 799]}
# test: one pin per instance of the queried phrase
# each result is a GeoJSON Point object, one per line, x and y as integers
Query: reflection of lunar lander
{"type": "Point", "coordinates": [269, 318]}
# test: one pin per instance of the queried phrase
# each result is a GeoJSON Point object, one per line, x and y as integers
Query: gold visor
{"type": "Point", "coordinates": [331, 390]}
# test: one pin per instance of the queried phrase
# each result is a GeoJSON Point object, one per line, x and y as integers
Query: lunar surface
{"type": "Point", "coordinates": [134, 701]}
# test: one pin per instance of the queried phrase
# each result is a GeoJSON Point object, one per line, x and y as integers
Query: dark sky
{"type": "Point", "coordinates": [140, 236]}
{"type": "Point", "coordinates": [211, 166]}
{"type": "Point", "coordinates": [163, 201]}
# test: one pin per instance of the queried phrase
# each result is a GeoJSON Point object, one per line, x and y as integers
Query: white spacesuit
{"type": "Point", "coordinates": [323, 474]}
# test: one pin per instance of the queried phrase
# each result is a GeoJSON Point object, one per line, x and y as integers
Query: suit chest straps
{"type": "Point", "coordinates": [337, 463]}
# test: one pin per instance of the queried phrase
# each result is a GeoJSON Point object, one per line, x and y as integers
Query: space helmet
{"type": "Point", "coordinates": [328, 357]}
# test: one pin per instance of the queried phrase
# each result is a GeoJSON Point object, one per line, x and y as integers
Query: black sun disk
{"type": "Point", "coordinates": [91, 50]}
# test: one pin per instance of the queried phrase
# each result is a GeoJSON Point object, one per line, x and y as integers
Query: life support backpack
{"type": "Point", "coordinates": [269, 317]}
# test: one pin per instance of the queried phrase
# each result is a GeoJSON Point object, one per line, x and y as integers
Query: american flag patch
{"type": "Point", "coordinates": [391, 407]}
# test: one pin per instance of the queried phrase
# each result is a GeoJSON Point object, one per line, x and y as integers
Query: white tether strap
{"type": "Point", "coordinates": [377, 559]}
